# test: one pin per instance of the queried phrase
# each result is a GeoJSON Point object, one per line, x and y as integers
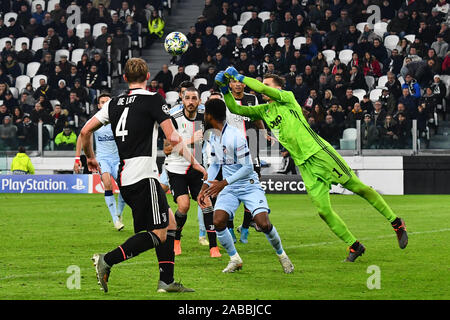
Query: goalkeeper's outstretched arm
{"type": "Point", "coordinates": [258, 86]}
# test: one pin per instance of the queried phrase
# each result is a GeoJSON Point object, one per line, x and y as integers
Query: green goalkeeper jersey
{"type": "Point", "coordinates": [285, 119]}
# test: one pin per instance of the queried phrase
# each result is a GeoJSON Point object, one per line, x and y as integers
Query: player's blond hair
{"type": "Point", "coordinates": [279, 81]}
{"type": "Point", "coordinates": [136, 70]}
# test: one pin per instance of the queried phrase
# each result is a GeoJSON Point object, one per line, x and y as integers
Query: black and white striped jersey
{"type": "Point", "coordinates": [134, 118]}
{"type": "Point", "coordinates": [186, 127]}
{"type": "Point", "coordinates": [241, 122]}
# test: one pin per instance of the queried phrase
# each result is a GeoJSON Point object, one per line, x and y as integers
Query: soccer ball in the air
{"type": "Point", "coordinates": [176, 43]}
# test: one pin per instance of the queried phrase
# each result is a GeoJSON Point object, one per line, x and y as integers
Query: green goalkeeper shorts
{"type": "Point", "coordinates": [322, 169]}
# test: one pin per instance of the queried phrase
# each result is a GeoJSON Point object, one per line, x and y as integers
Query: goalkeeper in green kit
{"type": "Point", "coordinates": [319, 163]}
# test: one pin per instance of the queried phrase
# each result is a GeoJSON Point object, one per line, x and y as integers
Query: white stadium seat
{"type": "Point", "coordinates": [97, 29]}
{"type": "Point", "coordinates": [264, 41]}
{"type": "Point", "coordinates": [191, 70]}
{"type": "Point", "coordinates": [370, 81]}
{"type": "Point", "coordinates": [174, 70]}
{"type": "Point", "coordinates": [80, 29]}
{"type": "Point", "coordinates": [51, 5]}
{"type": "Point", "coordinates": [76, 55]}
{"type": "Point", "coordinates": [359, 93]}
{"type": "Point", "coordinates": [391, 41]}
{"type": "Point", "coordinates": [345, 55]}
{"type": "Point", "coordinates": [3, 42]}
{"type": "Point", "coordinates": [204, 96]}
{"type": "Point", "coordinates": [61, 52]}
{"type": "Point", "coordinates": [8, 16]}
{"type": "Point", "coordinates": [380, 28]}
{"type": "Point", "coordinates": [410, 37]}
{"type": "Point", "coordinates": [199, 81]}
{"type": "Point", "coordinates": [15, 92]}
{"type": "Point", "coordinates": [264, 15]}
{"type": "Point", "coordinates": [245, 16]}
{"type": "Point", "coordinates": [172, 97]}
{"type": "Point", "coordinates": [360, 26]}
{"type": "Point", "coordinates": [36, 2]}
{"type": "Point", "coordinates": [375, 94]}
{"type": "Point", "coordinates": [348, 141]}
{"type": "Point", "coordinates": [21, 82]}
{"type": "Point", "coordinates": [32, 68]}
{"type": "Point", "coordinates": [246, 42]}
{"type": "Point", "coordinates": [37, 43]}
{"type": "Point", "coordinates": [329, 55]}
{"type": "Point", "coordinates": [237, 29]}
{"type": "Point", "coordinates": [19, 41]}
{"type": "Point", "coordinates": [298, 41]}
{"type": "Point", "coordinates": [219, 30]}
{"type": "Point", "coordinates": [382, 81]}
{"type": "Point", "coordinates": [280, 41]}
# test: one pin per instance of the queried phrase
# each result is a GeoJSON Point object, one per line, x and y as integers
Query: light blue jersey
{"type": "Point", "coordinates": [106, 151]}
{"type": "Point", "coordinates": [230, 152]}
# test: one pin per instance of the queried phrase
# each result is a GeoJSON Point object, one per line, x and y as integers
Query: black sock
{"type": "Point", "coordinates": [208, 217]}
{"type": "Point", "coordinates": [166, 258]}
{"type": "Point", "coordinates": [230, 224]}
{"type": "Point", "coordinates": [396, 223]}
{"type": "Point", "coordinates": [181, 220]}
{"type": "Point", "coordinates": [355, 246]}
{"type": "Point", "coordinates": [247, 218]}
{"type": "Point", "coordinates": [135, 245]}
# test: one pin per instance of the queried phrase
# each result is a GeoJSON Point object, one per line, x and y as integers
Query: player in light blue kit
{"type": "Point", "coordinates": [229, 151]}
{"type": "Point", "coordinates": [108, 158]}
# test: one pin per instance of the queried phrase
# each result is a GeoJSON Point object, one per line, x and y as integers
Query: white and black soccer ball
{"type": "Point", "coordinates": [176, 43]}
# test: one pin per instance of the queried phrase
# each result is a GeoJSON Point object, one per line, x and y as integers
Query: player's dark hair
{"type": "Point", "coordinates": [192, 89]}
{"type": "Point", "coordinates": [185, 84]}
{"type": "Point", "coordinates": [216, 93]}
{"type": "Point", "coordinates": [217, 109]}
{"type": "Point", "coordinates": [104, 94]}
{"type": "Point", "coordinates": [279, 81]}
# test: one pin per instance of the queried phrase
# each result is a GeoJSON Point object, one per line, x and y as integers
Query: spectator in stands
{"type": "Point", "coordinates": [23, 15]}
{"type": "Point", "coordinates": [338, 86]}
{"type": "Point", "coordinates": [26, 101]}
{"type": "Point", "coordinates": [348, 101]}
{"type": "Point", "coordinates": [255, 51]}
{"type": "Point", "coordinates": [225, 48]}
{"type": "Point", "coordinates": [17, 116]}
{"type": "Point", "coordinates": [387, 133]}
{"type": "Point", "coordinates": [39, 14]}
{"type": "Point", "coordinates": [402, 134]}
{"type": "Point", "coordinates": [440, 46]}
{"type": "Point", "coordinates": [369, 133]}
{"type": "Point", "coordinates": [43, 89]}
{"type": "Point", "coordinates": [388, 101]}
{"type": "Point", "coordinates": [74, 106]}
{"type": "Point", "coordinates": [59, 119]}
{"type": "Point", "coordinates": [4, 112]}
{"type": "Point", "coordinates": [70, 40]}
{"type": "Point", "coordinates": [252, 28]}
{"type": "Point", "coordinates": [333, 39]}
{"type": "Point", "coordinates": [230, 35]}
{"type": "Point", "coordinates": [271, 27]}
{"type": "Point", "coordinates": [357, 80]}
{"type": "Point", "coordinates": [83, 65]}
{"type": "Point", "coordinates": [89, 14]}
{"type": "Point", "coordinates": [351, 37]}
{"type": "Point", "coordinates": [226, 16]}
{"type": "Point", "coordinates": [209, 62]}
{"type": "Point", "coordinates": [42, 52]}
{"type": "Point", "coordinates": [66, 140]}
{"type": "Point", "coordinates": [399, 24]}
{"type": "Point", "coordinates": [4, 79]}
{"type": "Point", "coordinates": [196, 53]}
{"type": "Point", "coordinates": [103, 14]}
{"type": "Point", "coordinates": [12, 68]}
{"type": "Point", "coordinates": [165, 77]}
{"type": "Point", "coordinates": [115, 23]}
{"type": "Point", "coordinates": [156, 87]}
{"type": "Point", "coordinates": [93, 82]}
{"type": "Point", "coordinates": [395, 62]}
{"type": "Point", "coordinates": [54, 78]}
{"type": "Point", "coordinates": [61, 92]}
{"type": "Point", "coordinates": [25, 55]}
{"type": "Point", "coordinates": [356, 114]}
{"type": "Point", "coordinates": [287, 25]}
{"type": "Point", "coordinates": [124, 11]}
{"type": "Point", "coordinates": [409, 102]}
{"type": "Point", "coordinates": [210, 41]}
{"type": "Point", "coordinates": [180, 77]}
{"type": "Point", "coordinates": [412, 86]}
{"type": "Point", "coordinates": [47, 66]}
{"type": "Point", "coordinates": [221, 62]}
{"type": "Point", "coordinates": [10, 102]}
{"type": "Point", "coordinates": [8, 50]}
{"type": "Point", "coordinates": [439, 89]}
{"type": "Point", "coordinates": [38, 114]}
{"type": "Point", "coordinates": [132, 29]}
{"type": "Point", "coordinates": [309, 50]}
{"type": "Point", "coordinates": [378, 114]}
{"type": "Point", "coordinates": [371, 66]}
{"type": "Point", "coordinates": [330, 131]}
{"type": "Point", "coordinates": [102, 66]}
{"type": "Point", "coordinates": [338, 115]}
{"type": "Point", "coordinates": [81, 92]}
{"type": "Point", "coordinates": [86, 38]}
{"type": "Point", "coordinates": [57, 12]}
{"type": "Point", "coordinates": [14, 30]}
{"type": "Point", "coordinates": [287, 163]}
{"type": "Point", "coordinates": [53, 40]}
{"type": "Point", "coordinates": [243, 63]}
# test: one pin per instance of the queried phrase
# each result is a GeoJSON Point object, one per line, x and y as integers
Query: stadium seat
{"type": "Point", "coordinates": [391, 41]}
{"type": "Point", "coordinates": [199, 81]}
{"type": "Point", "coordinates": [380, 28]}
{"type": "Point", "coordinates": [264, 15]}
{"type": "Point", "coordinates": [21, 82]}
{"type": "Point", "coordinates": [19, 41]}
{"type": "Point", "coordinates": [360, 26]}
{"type": "Point", "coordinates": [381, 81]}
{"type": "Point", "coordinates": [51, 132]}
{"type": "Point", "coordinates": [3, 42]}
{"type": "Point", "coordinates": [32, 69]}
{"type": "Point", "coordinates": [246, 42]}
{"type": "Point", "coordinates": [298, 41]}
{"type": "Point", "coordinates": [329, 55]}
{"type": "Point", "coordinates": [51, 5]}
{"type": "Point", "coordinates": [172, 97]}
{"type": "Point", "coordinates": [345, 55]}
{"type": "Point", "coordinates": [36, 2]}
{"type": "Point", "coordinates": [97, 29]}
{"type": "Point", "coordinates": [245, 16]}
{"type": "Point", "coordinates": [191, 70]}
{"type": "Point", "coordinates": [410, 37]}
{"type": "Point", "coordinates": [37, 43]}
{"type": "Point", "coordinates": [36, 79]}
{"type": "Point", "coordinates": [237, 29]}
{"type": "Point", "coordinates": [8, 16]}
{"type": "Point", "coordinates": [61, 52]}
{"type": "Point", "coordinates": [280, 41]}
{"type": "Point", "coordinates": [219, 30]}
{"type": "Point", "coordinates": [76, 55]}
{"type": "Point", "coordinates": [264, 41]}
{"type": "Point", "coordinates": [359, 93]}
{"type": "Point", "coordinates": [348, 141]}
{"type": "Point", "coordinates": [15, 92]}
{"type": "Point", "coordinates": [54, 103]}
{"type": "Point", "coordinates": [174, 70]}
{"type": "Point", "coordinates": [80, 29]}
{"type": "Point", "coordinates": [370, 81]}
{"type": "Point", "coordinates": [375, 94]}
{"type": "Point", "coordinates": [204, 96]}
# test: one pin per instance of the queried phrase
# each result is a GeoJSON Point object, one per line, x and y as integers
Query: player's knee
{"type": "Point", "coordinates": [265, 227]}
{"type": "Point", "coordinates": [219, 224]}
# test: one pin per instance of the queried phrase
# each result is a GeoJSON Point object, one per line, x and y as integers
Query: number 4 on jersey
{"type": "Point", "coordinates": [120, 129]}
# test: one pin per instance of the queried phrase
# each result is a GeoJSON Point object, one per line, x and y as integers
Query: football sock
{"type": "Point", "coordinates": [247, 219]}
{"type": "Point", "coordinates": [181, 220]}
{"type": "Point", "coordinates": [374, 198]}
{"type": "Point", "coordinates": [396, 223]}
{"type": "Point", "coordinates": [355, 245]}
{"type": "Point", "coordinates": [201, 222]}
{"type": "Point", "coordinates": [120, 205]}
{"type": "Point", "coordinates": [111, 203]}
{"type": "Point", "coordinates": [166, 258]}
{"type": "Point", "coordinates": [274, 239]}
{"type": "Point", "coordinates": [134, 245]}
{"type": "Point", "coordinates": [226, 241]}
{"type": "Point", "coordinates": [208, 215]}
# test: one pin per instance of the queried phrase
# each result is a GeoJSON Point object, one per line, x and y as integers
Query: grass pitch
{"type": "Point", "coordinates": [44, 236]}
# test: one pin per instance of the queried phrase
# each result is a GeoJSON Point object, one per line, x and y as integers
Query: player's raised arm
{"type": "Point", "coordinates": [257, 86]}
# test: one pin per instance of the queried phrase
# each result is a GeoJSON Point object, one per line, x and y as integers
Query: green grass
{"type": "Point", "coordinates": [42, 235]}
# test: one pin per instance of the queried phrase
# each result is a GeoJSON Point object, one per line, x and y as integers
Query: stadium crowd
{"type": "Point", "coordinates": [52, 73]}
{"type": "Point", "coordinates": [339, 68]}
